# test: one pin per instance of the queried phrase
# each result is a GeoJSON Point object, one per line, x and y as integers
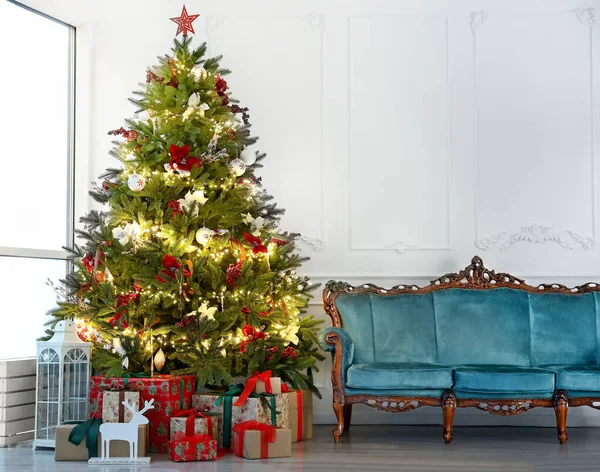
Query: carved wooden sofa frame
{"type": "Point", "coordinates": [474, 276]}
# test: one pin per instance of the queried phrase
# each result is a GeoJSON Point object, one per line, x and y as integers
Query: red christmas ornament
{"type": "Point", "coordinates": [184, 22]}
{"type": "Point", "coordinates": [246, 310]}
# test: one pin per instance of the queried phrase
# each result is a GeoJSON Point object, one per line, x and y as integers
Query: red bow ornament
{"type": "Point", "coordinates": [256, 243]}
{"type": "Point", "coordinates": [171, 267]}
{"type": "Point", "coordinates": [181, 160]}
{"type": "Point", "coordinates": [251, 335]}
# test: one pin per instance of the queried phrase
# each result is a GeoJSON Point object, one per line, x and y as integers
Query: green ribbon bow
{"type": "Point", "coordinates": [86, 429]}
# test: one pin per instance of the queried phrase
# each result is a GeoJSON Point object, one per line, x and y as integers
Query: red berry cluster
{"type": "Point", "coordinates": [175, 206]}
{"type": "Point", "coordinates": [234, 272]}
{"type": "Point", "coordinates": [273, 350]}
{"type": "Point", "coordinates": [235, 109]}
{"type": "Point", "coordinates": [187, 322]}
{"type": "Point", "coordinates": [220, 88]}
{"type": "Point", "coordinates": [279, 242]}
{"type": "Point", "coordinates": [130, 135]}
{"type": "Point", "coordinates": [289, 352]}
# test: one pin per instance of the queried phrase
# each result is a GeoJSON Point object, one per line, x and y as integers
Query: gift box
{"type": "Point", "coordinates": [170, 393]}
{"type": "Point", "coordinates": [254, 440]}
{"type": "Point", "coordinates": [64, 450]}
{"type": "Point", "coordinates": [254, 407]}
{"type": "Point", "coordinates": [203, 423]}
{"type": "Point", "coordinates": [113, 410]}
{"type": "Point", "coordinates": [199, 447]}
{"type": "Point", "coordinates": [67, 451]}
{"type": "Point", "coordinates": [301, 414]}
{"type": "Point", "coordinates": [264, 383]}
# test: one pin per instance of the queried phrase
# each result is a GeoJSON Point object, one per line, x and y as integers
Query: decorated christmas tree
{"type": "Point", "coordinates": [187, 270]}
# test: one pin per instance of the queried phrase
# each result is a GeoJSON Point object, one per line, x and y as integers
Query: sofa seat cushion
{"type": "Point", "coordinates": [502, 378]}
{"type": "Point", "coordinates": [409, 375]}
{"type": "Point", "coordinates": [577, 377]}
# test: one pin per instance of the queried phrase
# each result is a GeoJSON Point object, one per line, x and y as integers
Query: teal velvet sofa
{"type": "Point", "coordinates": [475, 338]}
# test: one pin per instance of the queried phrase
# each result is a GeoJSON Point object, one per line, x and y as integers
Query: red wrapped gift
{"type": "Point", "coordinates": [170, 393]}
{"type": "Point", "coordinates": [203, 424]}
{"type": "Point", "coordinates": [301, 413]}
{"type": "Point", "coordinates": [254, 440]}
{"type": "Point", "coordinates": [189, 446]}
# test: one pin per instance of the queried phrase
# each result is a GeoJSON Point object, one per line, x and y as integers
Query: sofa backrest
{"type": "Point", "coordinates": [507, 322]}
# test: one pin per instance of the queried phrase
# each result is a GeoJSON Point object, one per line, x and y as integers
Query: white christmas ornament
{"type": "Point", "coordinates": [136, 182]}
{"type": "Point", "coordinates": [203, 235]}
{"type": "Point", "coordinates": [237, 167]}
{"type": "Point", "coordinates": [248, 157]}
{"type": "Point", "coordinates": [198, 73]}
{"type": "Point", "coordinates": [143, 115]}
{"type": "Point", "coordinates": [194, 100]}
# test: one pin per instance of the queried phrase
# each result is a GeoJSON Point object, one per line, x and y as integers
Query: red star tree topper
{"type": "Point", "coordinates": [184, 22]}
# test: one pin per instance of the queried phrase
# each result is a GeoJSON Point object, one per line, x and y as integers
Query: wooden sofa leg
{"type": "Point", "coordinates": [448, 408]}
{"type": "Point", "coordinates": [561, 407]}
{"type": "Point", "coordinates": [339, 429]}
{"type": "Point", "coordinates": [347, 416]}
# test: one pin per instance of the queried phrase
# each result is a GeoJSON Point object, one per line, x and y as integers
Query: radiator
{"type": "Point", "coordinates": [17, 400]}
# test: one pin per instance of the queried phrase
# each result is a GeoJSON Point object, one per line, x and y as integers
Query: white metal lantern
{"type": "Point", "coordinates": [63, 372]}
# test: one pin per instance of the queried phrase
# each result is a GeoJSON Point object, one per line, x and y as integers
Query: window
{"type": "Point", "coordinates": [36, 182]}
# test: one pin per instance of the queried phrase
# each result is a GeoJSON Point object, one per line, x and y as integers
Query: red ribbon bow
{"type": "Point", "coordinates": [286, 389]}
{"type": "Point", "coordinates": [192, 414]}
{"type": "Point", "coordinates": [251, 383]}
{"type": "Point", "coordinates": [268, 434]}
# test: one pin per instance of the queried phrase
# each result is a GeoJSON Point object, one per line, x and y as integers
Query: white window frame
{"type": "Point", "coordinates": [33, 253]}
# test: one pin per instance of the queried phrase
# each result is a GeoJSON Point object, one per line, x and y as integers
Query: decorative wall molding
{"type": "Point", "coordinates": [478, 18]}
{"type": "Point", "coordinates": [400, 247]}
{"type": "Point", "coordinates": [587, 16]}
{"type": "Point", "coordinates": [317, 21]}
{"type": "Point", "coordinates": [535, 234]}
{"type": "Point", "coordinates": [313, 243]}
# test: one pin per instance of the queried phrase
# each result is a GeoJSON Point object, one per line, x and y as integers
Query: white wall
{"type": "Point", "coordinates": [403, 137]}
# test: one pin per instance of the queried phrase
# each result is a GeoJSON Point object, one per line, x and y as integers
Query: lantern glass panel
{"type": "Point", "coordinates": [75, 383]}
{"type": "Point", "coordinates": [48, 393]}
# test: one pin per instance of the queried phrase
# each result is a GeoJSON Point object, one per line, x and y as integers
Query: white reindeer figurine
{"type": "Point", "coordinates": [124, 432]}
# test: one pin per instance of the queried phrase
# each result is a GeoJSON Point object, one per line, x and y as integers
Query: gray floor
{"type": "Point", "coordinates": [380, 448]}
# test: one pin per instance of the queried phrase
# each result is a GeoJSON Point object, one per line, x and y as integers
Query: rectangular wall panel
{"type": "Point", "coordinates": [534, 123]}
{"type": "Point", "coordinates": [399, 132]}
{"type": "Point", "coordinates": [281, 83]}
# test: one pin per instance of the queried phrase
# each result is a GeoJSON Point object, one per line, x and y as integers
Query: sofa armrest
{"type": "Point", "coordinates": [331, 338]}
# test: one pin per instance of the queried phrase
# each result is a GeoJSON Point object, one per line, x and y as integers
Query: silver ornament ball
{"type": "Point", "coordinates": [248, 156]}
{"type": "Point", "coordinates": [136, 182]}
{"type": "Point", "coordinates": [203, 235]}
{"type": "Point", "coordinates": [237, 167]}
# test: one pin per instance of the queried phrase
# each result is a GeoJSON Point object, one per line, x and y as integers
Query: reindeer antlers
{"type": "Point", "coordinates": [148, 406]}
